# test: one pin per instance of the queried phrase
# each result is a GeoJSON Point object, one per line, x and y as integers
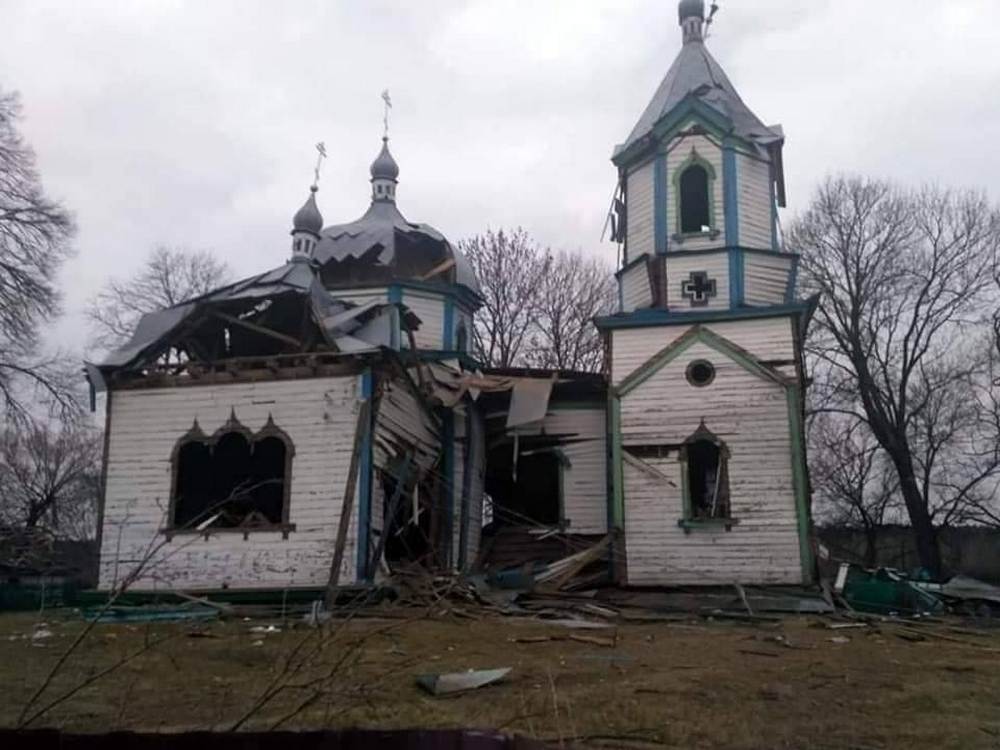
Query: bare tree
{"type": "Point", "coordinates": [854, 484]}
{"type": "Point", "coordinates": [35, 234]}
{"type": "Point", "coordinates": [511, 268]}
{"type": "Point", "coordinates": [573, 292]}
{"type": "Point", "coordinates": [905, 277]}
{"type": "Point", "coordinates": [50, 479]}
{"type": "Point", "coordinates": [168, 277]}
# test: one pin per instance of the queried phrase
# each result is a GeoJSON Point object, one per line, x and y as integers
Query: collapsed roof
{"type": "Point", "coordinates": [382, 247]}
{"type": "Point", "coordinates": [285, 310]}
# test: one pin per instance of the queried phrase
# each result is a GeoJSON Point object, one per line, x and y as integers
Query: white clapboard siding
{"type": "Point", "coordinates": [319, 415]}
{"type": "Point", "coordinates": [636, 291]}
{"type": "Point", "coordinates": [585, 496]}
{"type": "Point", "coordinates": [768, 339]}
{"type": "Point", "coordinates": [681, 265]}
{"type": "Point", "coordinates": [680, 152]}
{"type": "Point", "coordinates": [750, 415]}
{"type": "Point", "coordinates": [430, 310]}
{"type": "Point", "coordinates": [640, 236]}
{"type": "Point", "coordinates": [766, 277]}
{"type": "Point", "coordinates": [753, 184]}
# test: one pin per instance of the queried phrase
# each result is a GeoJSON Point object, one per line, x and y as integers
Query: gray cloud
{"type": "Point", "coordinates": [193, 123]}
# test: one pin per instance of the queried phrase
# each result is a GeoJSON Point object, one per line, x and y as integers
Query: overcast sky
{"type": "Point", "coordinates": [193, 123]}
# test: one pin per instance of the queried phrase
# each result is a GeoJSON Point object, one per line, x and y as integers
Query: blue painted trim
{"type": "Point", "coordinates": [730, 193]}
{"type": "Point", "coordinates": [365, 480]}
{"type": "Point", "coordinates": [448, 326]}
{"type": "Point", "coordinates": [651, 317]}
{"type": "Point", "coordinates": [395, 294]}
{"type": "Point", "coordinates": [793, 280]}
{"type": "Point", "coordinates": [660, 198]}
{"type": "Point", "coordinates": [737, 278]}
{"type": "Point", "coordinates": [459, 292]}
{"type": "Point", "coordinates": [448, 442]}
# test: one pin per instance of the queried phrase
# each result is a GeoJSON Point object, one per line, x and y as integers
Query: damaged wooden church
{"type": "Point", "coordinates": [328, 418]}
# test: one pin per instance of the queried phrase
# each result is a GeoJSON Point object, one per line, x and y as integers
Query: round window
{"type": "Point", "coordinates": [700, 373]}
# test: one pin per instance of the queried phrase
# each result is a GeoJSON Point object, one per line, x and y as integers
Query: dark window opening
{"type": "Point", "coordinates": [708, 480]}
{"type": "Point", "coordinates": [461, 338]}
{"type": "Point", "coordinates": [700, 373]}
{"type": "Point", "coordinates": [232, 480]}
{"type": "Point", "coordinates": [529, 495]}
{"type": "Point", "coordinates": [695, 200]}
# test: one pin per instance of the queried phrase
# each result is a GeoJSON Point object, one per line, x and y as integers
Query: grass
{"type": "Point", "coordinates": [683, 685]}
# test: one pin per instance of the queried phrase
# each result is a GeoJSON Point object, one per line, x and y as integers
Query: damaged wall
{"type": "Point", "coordinates": [584, 444]}
{"type": "Point", "coordinates": [751, 415]}
{"type": "Point", "coordinates": [319, 416]}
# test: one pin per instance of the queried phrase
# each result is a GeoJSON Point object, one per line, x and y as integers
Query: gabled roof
{"type": "Point", "coordinates": [695, 73]}
{"type": "Point", "coordinates": [700, 335]}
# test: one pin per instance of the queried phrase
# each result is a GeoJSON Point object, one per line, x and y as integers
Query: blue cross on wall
{"type": "Point", "coordinates": [698, 288]}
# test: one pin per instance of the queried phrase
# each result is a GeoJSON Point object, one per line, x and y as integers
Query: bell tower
{"type": "Point", "coordinates": [708, 464]}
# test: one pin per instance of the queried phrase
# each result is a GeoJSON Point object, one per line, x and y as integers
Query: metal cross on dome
{"type": "Point", "coordinates": [698, 288]}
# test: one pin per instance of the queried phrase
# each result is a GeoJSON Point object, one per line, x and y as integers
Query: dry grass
{"type": "Point", "coordinates": [698, 685]}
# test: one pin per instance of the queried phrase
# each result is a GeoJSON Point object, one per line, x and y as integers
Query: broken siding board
{"type": "Point", "coordinates": [403, 424]}
{"type": "Point", "coordinates": [680, 266]}
{"type": "Point", "coordinates": [755, 201]}
{"type": "Point", "coordinates": [749, 414]}
{"type": "Point", "coordinates": [767, 278]}
{"type": "Point", "coordinates": [319, 417]}
{"type": "Point", "coordinates": [636, 290]}
{"type": "Point", "coordinates": [640, 235]}
{"type": "Point", "coordinates": [361, 296]}
{"type": "Point", "coordinates": [681, 151]}
{"type": "Point", "coordinates": [767, 339]}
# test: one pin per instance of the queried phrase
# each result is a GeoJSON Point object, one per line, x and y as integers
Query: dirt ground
{"type": "Point", "coordinates": [695, 684]}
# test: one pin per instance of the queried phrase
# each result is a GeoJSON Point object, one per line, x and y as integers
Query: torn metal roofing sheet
{"type": "Point", "coordinates": [696, 73]}
{"type": "Point", "coordinates": [382, 235]}
{"type": "Point", "coordinates": [348, 327]}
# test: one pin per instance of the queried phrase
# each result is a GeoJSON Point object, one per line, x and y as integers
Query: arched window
{"type": "Point", "coordinates": [695, 200]}
{"type": "Point", "coordinates": [705, 461]}
{"type": "Point", "coordinates": [235, 479]}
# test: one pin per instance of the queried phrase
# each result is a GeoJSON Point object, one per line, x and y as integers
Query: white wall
{"type": "Point", "coordinates": [680, 265]}
{"type": "Point", "coordinates": [753, 184]}
{"type": "Point", "coordinates": [640, 234]}
{"type": "Point", "coordinates": [766, 277]}
{"type": "Point", "coordinates": [319, 415]}
{"type": "Point", "coordinates": [768, 339]}
{"type": "Point", "coordinates": [636, 290]}
{"type": "Point", "coordinates": [679, 154]}
{"type": "Point", "coordinates": [750, 415]}
{"type": "Point", "coordinates": [430, 309]}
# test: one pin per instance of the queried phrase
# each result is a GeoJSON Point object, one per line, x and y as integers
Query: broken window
{"type": "Point", "coordinates": [235, 479]}
{"type": "Point", "coordinates": [705, 460]}
{"type": "Point", "coordinates": [695, 207]}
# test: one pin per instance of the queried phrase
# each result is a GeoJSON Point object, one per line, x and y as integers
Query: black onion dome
{"type": "Point", "coordinates": [385, 167]}
{"type": "Point", "coordinates": [308, 218]}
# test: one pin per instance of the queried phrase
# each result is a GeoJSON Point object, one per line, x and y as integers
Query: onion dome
{"type": "Point", "coordinates": [308, 218]}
